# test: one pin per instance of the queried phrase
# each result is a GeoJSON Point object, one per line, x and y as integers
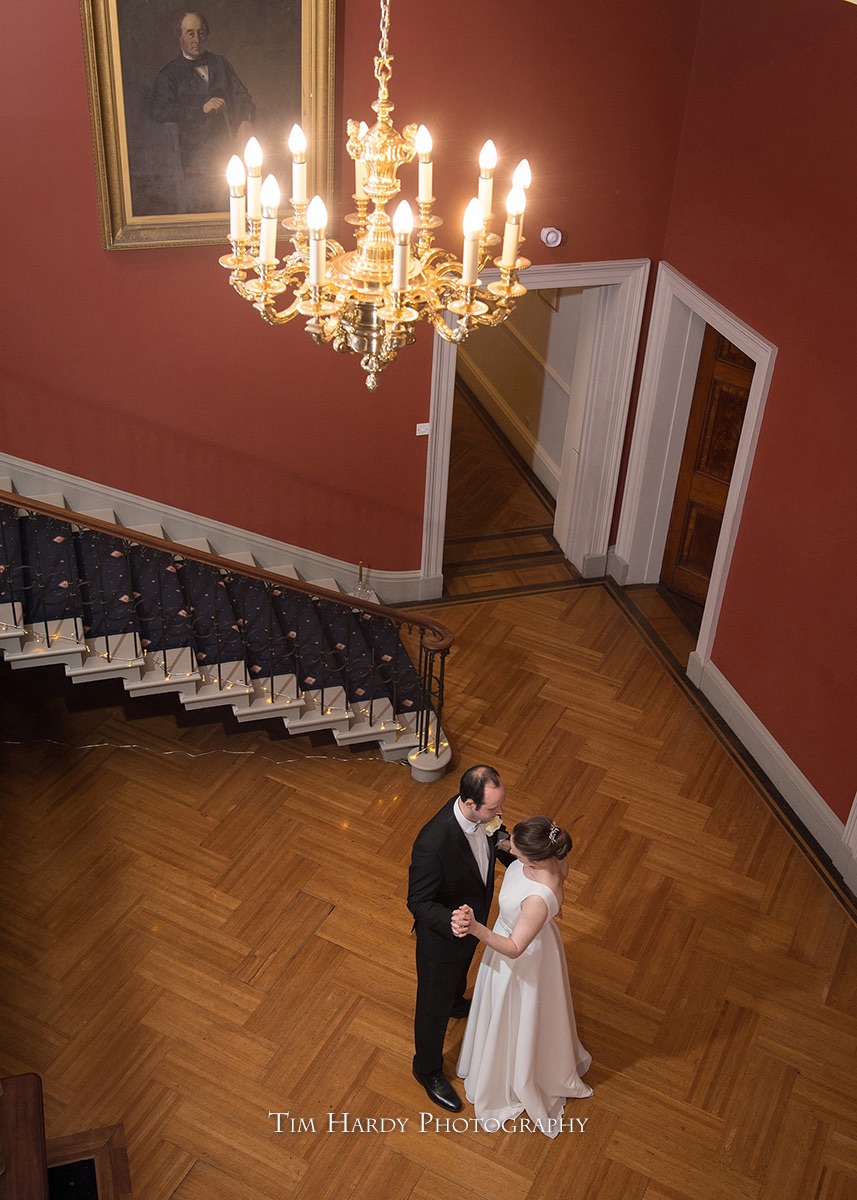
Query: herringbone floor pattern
{"type": "Point", "coordinates": [210, 926]}
{"type": "Point", "coordinates": [499, 518]}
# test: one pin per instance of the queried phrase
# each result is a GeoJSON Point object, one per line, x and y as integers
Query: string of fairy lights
{"type": "Point", "coordinates": [280, 762]}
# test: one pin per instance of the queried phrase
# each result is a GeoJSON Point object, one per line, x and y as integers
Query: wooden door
{"type": "Point", "coordinates": [711, 443]}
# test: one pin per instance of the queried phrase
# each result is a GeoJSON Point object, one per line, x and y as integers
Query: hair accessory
{"type": "Point", "coordinates": [554, 833]}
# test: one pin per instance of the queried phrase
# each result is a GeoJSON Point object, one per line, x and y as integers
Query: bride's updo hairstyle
{"type": "Point", "coordinates": [538, 839]}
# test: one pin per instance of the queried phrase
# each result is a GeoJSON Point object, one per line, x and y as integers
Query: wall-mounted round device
{"type": "Point", "coordinates": [552, 237]}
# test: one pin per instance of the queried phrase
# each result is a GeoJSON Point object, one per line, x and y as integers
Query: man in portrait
{"type": "Point", "coordinates": [200, 94]}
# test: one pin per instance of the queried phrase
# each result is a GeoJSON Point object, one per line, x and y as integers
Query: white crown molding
{"type": "Point", "coordinates": [32, 479]}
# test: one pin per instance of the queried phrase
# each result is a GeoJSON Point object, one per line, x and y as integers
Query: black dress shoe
{"type": "Point", "coordinates": [440, 1090]}
{"type": "Point", "coordinates": [461, 1009]}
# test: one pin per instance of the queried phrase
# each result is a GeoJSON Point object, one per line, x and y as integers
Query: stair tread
{"type": "Point", "coordinates": [153, 530]}
{"type": "Point", "coordinates": [209, 694]}
{"type": "Point", "coordinates": [261, 709]}
{"type": "Point", "coordinates": [161, 620]}
{"type": "Point", "coordinates": [57, 499]}
{"type": "Point", "coordinates": [99, 514]}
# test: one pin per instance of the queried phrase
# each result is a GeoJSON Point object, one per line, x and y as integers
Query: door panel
{"type": "Point", "coordinates": [711, 444]}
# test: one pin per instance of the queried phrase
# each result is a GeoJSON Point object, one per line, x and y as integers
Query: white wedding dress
{"type": "Point", "coordinates": [521, 1050]}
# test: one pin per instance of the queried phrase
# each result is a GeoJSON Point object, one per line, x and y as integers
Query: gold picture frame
{"type": "Point", "coordinates": [138, 168]}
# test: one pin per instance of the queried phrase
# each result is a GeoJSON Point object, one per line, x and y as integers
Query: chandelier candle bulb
{"type": "Point", "coordinates": [403, 224]}
{"type": "Point", "coordinates": [253, 161]}
{"type": "Point", "coordinates": [297, 149]}
{"type": "Point", "coordinates": [422, 145]}
{"type": "Point", "coordinates": [473, 220]}
{"type": "Point", "coordinates": [487, 164]}
{"type": "Point", "coordinates": [236, 178]}
{"type": "Point", "coordinates": [515, 205]}
{"type": "Point", "coordinates": [270, 200]}
{"type": "Point", "coordinates": [522, 177]}
{"type": "Point", "coordinates": [316, 219]}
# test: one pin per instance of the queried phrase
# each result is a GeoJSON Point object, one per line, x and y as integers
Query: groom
{"type": "Point", "coordinates": [452, 864]}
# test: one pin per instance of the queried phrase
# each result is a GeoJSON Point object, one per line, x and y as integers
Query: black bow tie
{"type": "Point", "coordinates": [202, 61]}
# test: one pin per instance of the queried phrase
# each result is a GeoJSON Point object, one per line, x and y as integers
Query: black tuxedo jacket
{"type": "Point", "coordinates": [179, 93]}
{"type": "Point", "coordinates": [443, 876]}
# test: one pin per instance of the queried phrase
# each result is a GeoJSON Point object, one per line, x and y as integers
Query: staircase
{"type": "Point", "coordinates": [108, 600]}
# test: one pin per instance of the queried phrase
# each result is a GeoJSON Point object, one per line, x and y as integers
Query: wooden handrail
{"type": "Point", "coordinates": [439, 638]}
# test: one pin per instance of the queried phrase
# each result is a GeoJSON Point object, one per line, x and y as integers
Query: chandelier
{"type": "Point", "coordinates": [367, 301]}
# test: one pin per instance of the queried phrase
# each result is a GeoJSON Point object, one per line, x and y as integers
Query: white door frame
{"type": "Point", "coordinates": [680, 312]}
{"type": "Point", "coordinates": [583, 525]}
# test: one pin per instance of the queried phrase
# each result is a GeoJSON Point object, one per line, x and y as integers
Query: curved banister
{"type": "Point", "coordinates": [442, 637]}
{"type": "Point", "coordinates": [435, 639]}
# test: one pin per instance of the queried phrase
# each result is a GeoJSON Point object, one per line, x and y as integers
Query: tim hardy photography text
{"type": "Point", "coordinates": [345, 1122]}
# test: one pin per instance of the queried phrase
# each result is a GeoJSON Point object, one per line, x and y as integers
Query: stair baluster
{"type": "Point", "coordinates": [211, 629]}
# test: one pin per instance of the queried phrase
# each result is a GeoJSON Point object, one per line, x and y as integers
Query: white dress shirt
{"type": "Point", "coordinates": [477, 839]}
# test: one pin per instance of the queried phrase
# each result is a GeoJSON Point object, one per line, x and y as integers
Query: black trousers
{"type": "Point", "coordinates": [440, 986]}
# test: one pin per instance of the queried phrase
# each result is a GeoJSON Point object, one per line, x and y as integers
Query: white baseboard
{"type": "Point", "coordinates": [617, 568]}
{"type": "Point", "coordinates": [807, 804]}
{"type": "Point", "coordinates": [594, 566]}
{"type": "Point", "coordinates": [851, 843]}
{"type": "Point", "coordinates": [32, 479]}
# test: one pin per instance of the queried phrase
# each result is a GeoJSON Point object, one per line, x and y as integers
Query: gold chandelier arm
{"type": "Point", "coordinates": [496, 317]}
{"type": "Point", "coordinates": [324, 331]}
{"type": "Point", "coordinates": [272, 315]}
{"type": "Point", "coordinates": [473, 307]}
{"type": "Point", "coordinates": [456, 335]}
{"type": "Point", "coordinates": [238, 280]}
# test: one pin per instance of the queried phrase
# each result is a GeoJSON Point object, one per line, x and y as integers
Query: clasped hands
{"type": "Point", "coordinates": [462, 919]}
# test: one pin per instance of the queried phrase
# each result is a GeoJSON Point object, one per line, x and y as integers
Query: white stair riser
{"type": "Point", "coordinates": [177, 671]}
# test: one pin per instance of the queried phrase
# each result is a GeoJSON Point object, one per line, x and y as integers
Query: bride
{"type": "Point", "coordinates": [521, 1050]}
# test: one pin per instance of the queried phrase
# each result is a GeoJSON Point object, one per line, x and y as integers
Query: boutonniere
{"type": "Point", "coordinates": [493, 825]}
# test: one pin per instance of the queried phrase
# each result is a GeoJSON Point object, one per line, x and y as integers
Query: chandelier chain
{"type": "Point", "coordinates": [383, 63]}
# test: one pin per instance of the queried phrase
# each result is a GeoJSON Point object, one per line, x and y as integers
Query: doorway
{"type": "Point", "coordinates": [499, 516]}
{"type": "Point", "coordinates": [586, 495]}
{"type": "Point", "coordinates": [720, 394]}
{"type": "Point", "coordinates": [680, 314]}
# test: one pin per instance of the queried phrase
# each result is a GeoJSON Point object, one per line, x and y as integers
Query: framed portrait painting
{"type": "Point", "coordinates": [174, 92]}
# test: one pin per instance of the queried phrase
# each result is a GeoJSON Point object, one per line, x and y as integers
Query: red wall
{"type": "Point", "coordinates": [142, 370]}
{"type": "Point", "coordinates": [763, 219]}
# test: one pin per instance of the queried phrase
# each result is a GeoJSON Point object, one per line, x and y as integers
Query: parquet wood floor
{"type": "Point", "coordinates": [490, 492]}
{"type": "Point", "coordinates": [499, 518]}
{"type": "Point", "coordinates": [677, 636]}
{"type": "Point", "coordinates": [204, 924]}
